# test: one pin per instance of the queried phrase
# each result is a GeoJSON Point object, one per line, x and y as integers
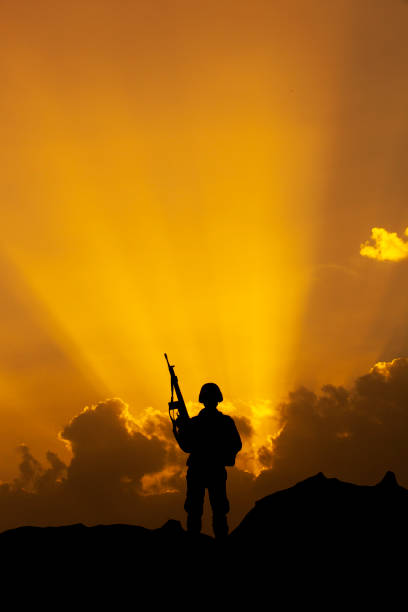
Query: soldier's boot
{"type": "Point", "coordinates": [220, 526]}
{"type": "Point", "coordinates": [193, 523]}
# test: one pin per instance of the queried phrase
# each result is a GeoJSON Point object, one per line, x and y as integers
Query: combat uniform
{"type": "Point", "coordinates": [212, 440]}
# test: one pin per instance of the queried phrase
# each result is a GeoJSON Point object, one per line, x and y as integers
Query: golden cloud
{"type": "Point", "coordinates": [385, 246]}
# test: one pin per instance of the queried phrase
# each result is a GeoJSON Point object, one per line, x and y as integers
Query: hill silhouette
{"type": "Point", "coordinates": [320, 529]}
{"type": "Point", "coordinates": [327, 512]}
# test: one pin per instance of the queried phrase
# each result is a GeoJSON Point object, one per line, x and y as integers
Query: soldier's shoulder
{"type": "Point", "coordinates": [226, 417]}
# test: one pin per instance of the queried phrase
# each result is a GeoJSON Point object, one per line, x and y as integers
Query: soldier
{"type": "Point", "coordinates": [213, 441]}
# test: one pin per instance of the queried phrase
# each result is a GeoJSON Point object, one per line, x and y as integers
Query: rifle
{"type": "Point", "coordinates": [176, 405]}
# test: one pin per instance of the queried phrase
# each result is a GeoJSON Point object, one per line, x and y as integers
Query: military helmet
{"type": "Point", "coordinates": [210, 392]}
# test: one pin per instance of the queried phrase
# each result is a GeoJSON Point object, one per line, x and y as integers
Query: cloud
{"type": "Point", "coordinates": [388, 246]}
{"type": "Point", "coordinates": [30, 470]}
{"type": "Point", "coordinates": [33, 477]}
{"type": "Point", "coordinates": [354, 434]}
{"type": "Point", "coordinates": [108, 449]}
{"type": "Point", "coordinates": [244, 426]}
{"type": "Point", "coordinates": [111, 454]}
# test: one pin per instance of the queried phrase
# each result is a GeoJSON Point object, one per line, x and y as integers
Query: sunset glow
{"type": "Point", "coordinates": [199, 179]}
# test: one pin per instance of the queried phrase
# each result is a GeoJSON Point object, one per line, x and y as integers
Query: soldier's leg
{"type": "Point", "coordinates": [217, 491]}
{"type": "Point", "coordinates": [194, 501]}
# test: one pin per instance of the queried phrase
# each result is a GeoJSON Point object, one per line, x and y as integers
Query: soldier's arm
{"type": "Point", "coordinates": [236, 442]}
{"type": "Point", "coordinates": [232, 442]}
{"type": "Point", "coordinates": [183, 432]}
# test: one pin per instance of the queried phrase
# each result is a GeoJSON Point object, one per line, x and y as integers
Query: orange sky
{"type": "Point", "coordinates": [196, 178]}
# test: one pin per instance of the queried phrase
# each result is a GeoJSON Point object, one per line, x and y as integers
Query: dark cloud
{"type": "Point", "coordinates": [265, 456]}
{"type": "Point", "coordinates": [33, 477]}
{"type": "Point", "coordinates": [244, 426]}
{"type": "Point", "coordinates": [106, 451]}
{"type": "Point", "coordinates": [103, 482]}
{"type": "Point", "coordinates": [355, 434]}
{"type": "Point", "coordinates": [30, 469]}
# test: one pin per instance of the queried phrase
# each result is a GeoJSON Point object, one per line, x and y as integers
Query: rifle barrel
{"type": "Point", "coordinates": [174, 383]}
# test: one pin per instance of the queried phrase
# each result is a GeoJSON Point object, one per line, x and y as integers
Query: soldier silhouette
{"type": "Point", "coordinates": [213, 441]}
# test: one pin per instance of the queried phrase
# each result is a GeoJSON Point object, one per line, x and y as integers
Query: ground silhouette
{"type": "Point", "coordinates": [339, 534]}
